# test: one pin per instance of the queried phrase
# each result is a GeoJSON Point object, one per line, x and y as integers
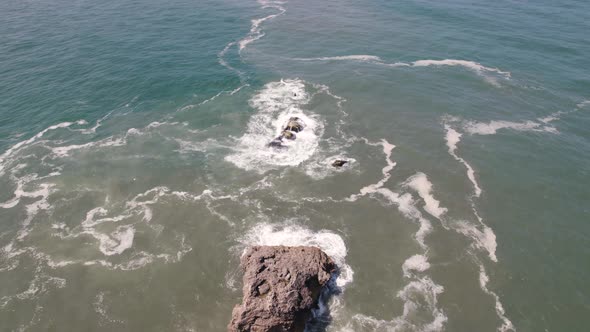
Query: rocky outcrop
{"type": "Point", "coordinates": [294, 125]}
{"type": "Point", "coordinates": [281, 286]}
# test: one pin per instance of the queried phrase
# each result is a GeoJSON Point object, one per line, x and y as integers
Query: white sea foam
{"type": "Point", "coordinates": [552, 117]}
{"type": "Point", "coordinates": [137, 261]}
{"type": "Point", "coordinates": [406, 205]}
{"type": "Point", "coordinates": [489, 73]}
{"type": "Point", "coordinates": [420, 294]}
{"type": "Point", "coordinates": [121, 239]}
{"type": "Point", "coordinates": [359, 57]}
{"type": "Point", "coordinates": [390, 164]}
{"type": "Point", "coordinates": [405, 202]}
{"type": "Point", "coordinates": [117, 242]}
{"type": "Point", "coordinates": [471, 65]}
{"type": "Point", "coordinates": [101, 308]}
{"type": "Point", "coordinates": [223, 62]}
{"type": "Point", "coordinates": [5, 157]}
{"type": "Point", "coordinates": [484, 239]}
{"type": "Point", "coordinates": [64, 151]}
{"type": "Point", "coordinates": [111, 141]}
{"type": "Point", "coordinates": [418, 263]}
{"type": "Point", "coordinates": [217, 95]}
{"type": "Point", "coordinates": [483, 283]}
{"type": "Point", "coordinates": [256, 29]}
{"type": "Point", "coordinates": [98, 123]}
{"type": "Point", "coordinates": [492, 127]}
{"type": "Point", "coordinates": [541, 124]}
{"type": "Point", "coordinates": [420, 300]}
{"type": "Point", "coordinates": [41, 284]}
{"type": "Point", "coordinates": [254, 34]}
{"type": "Point", "coordinates": [453, 137]}
{"type": "Point", "coordinates": [275, 104]}
{"type": "Point", "coordinates": [41, 190]}
{"type": "Point", "coordinates": [41, 193]}
{"type": "Point", "coordinates": [423, 187]}
{"type": "Point", "coordinates": [293, 235]}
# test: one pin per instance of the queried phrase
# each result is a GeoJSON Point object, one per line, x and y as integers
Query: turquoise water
{"type": "Point", "coordinates": [134, 168]}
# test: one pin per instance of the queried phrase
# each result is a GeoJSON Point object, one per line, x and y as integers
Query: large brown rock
{"type": "Point", "coordinates": [281, 286]}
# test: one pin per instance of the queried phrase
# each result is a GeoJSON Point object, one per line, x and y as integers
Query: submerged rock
{"type": "Point", "coordinates": [339, 163]}
{"type": "Point", "coordinates": [281, 286]}
{"type": "Point", "coordinates": [277, 143]}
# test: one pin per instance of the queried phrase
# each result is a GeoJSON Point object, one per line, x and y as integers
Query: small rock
{"type": "Point", "coordinates": [339, 163]}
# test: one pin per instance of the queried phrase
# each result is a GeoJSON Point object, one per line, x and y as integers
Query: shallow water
{"type": "Point", "coordinates": [134, 168]}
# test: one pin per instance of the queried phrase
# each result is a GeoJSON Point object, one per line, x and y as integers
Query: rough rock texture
{"type": "Point", "coordinates": [294, 125]}
{"type": "Point", "coordinates": [281, 286]}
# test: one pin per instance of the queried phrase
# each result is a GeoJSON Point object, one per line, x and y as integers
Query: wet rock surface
{"type": "Point", "coordinates": [277, 143]}
{"type": "Point", "coordinates": [281, 287]}
{"type": "Point", "coordinates": [339, 163]}
{"type": "Point", "coordinates": [294, 125]}
{"type": "Point", "coordinates": [288, 135]}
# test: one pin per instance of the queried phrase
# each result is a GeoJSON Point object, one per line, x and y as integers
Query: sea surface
{"type": "Point", "coordinates": [134, 166]}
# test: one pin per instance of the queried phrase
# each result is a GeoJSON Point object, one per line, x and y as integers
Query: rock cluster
{"type": "Point", "coordinates": [294, 125]}
{"type": "Point", "coordinates": [281, 286]}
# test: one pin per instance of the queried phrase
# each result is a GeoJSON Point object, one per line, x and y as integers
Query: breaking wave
{"type": "Point", "coordinates": [332, 244]}
{"type": "Point", "coordinates": [275, 104]}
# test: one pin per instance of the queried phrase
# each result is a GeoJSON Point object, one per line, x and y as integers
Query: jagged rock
{"type": "Point", "coordinates": [339, 163]}
{"type": "Point", "coordinates": [281, 286]}
{"type": "Point", "coordinates": [288, 135]}
{"type": "Point", "coordinates": [295, 125]}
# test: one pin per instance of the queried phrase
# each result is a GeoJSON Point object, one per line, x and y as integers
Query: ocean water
{"type": "Point", "coordinates": [134, 168]}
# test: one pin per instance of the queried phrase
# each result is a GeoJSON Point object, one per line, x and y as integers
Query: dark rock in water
{"type": "Point", "coordinates": [295, 125]}
{"type": "Point", "coordinates": [277, 143]}
{"type": "Point", "coordinates": [281, 286]}
{"type": "Point", "coordinates": [339, 163]}
{"type": "Point", "coordinates": [288, 135]}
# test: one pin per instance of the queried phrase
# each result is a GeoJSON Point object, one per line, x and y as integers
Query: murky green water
{"type": "Point", "coordinates": [134, 167]}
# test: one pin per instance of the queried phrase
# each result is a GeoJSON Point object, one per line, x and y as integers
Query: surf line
{"type": "Point", "coordinates": [476, 67]}
{"type": "Point", "coordinates": [485, 239]}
